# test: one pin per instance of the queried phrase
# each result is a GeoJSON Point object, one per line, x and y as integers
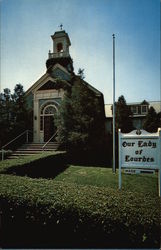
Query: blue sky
{"type": "Point", "coordinates": [26, 27]}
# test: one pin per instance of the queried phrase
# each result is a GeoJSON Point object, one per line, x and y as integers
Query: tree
{"type": "Point", "coordinates": [123, 116]}
{"type": "Point", "coordinates": [5, 115]}
{"type": "Point", "coordinates": [152, 121]}
{"type": "Point", "coordinates": [81, 73]}
{"type": "Point", "coordinates": [80, 119]}
{"type": "Point", "coordinates": [20, 113]}
{"type": "Point", "coordinates": [14, 115]}
{"type": "Point", "coordinates": [7, 105]}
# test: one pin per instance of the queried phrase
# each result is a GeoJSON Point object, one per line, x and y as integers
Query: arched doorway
{"type": "Point", "coordinates": [59, 47]}
{"type": "Point", "coordinates": [47, 124]}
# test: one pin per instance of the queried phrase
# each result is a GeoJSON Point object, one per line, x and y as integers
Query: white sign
{"type": "Point", "coordinates": [139, 149]}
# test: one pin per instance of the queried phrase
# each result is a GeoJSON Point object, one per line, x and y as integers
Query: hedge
{"type": "Point", "coordinates": [9, 165]}
{"type": "Point", "coordinates": [58, 214]}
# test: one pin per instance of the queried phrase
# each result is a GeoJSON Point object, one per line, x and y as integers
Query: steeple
{"type": "Point", "coordinates": [60, 54]}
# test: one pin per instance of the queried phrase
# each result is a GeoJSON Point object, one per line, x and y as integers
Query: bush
{"type": "Point", "coordinates": [10, 166]}
{"type": "Point", "coordinates": [47, 213]}
{"type": "Point", "coordinates": [47, 167]}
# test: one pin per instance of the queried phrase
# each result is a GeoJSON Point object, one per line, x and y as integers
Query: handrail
{"type": "Point", "coordinates": [50, 139]}
{"type": "Point", "coordinates": [26, 131]}
{"type": "Point", "coordinates": [15, 138]}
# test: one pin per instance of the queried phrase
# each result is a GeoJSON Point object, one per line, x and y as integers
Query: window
{"type": "Point", "coordinates": [49, 110]}
{"type": "Point", "coordinates": [49, 107]}
{"type": "Point", "coordinates": [134, 109]}
{"type": "Point", "coordinates": [144, 109]}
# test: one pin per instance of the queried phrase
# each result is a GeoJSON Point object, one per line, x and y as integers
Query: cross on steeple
{"type": "Point", "coordinates": [61, 26]}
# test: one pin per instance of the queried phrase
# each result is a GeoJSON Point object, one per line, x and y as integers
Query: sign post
{"type": "Point", "coordinates": [114, 158]}
{"type": "Point", "coordinates": [119, 158]}
{"type": "Point", "coordinates": [140, 150]}
{"type": "Point", "coordinates": [159, 174]}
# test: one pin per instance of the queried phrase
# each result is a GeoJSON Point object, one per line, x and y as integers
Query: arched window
{"type": "Point", "coordinates": [59, 47]}
{"type": "Point", "coordinates": [47, 110]}
{"type": "Point", "coordinates": [49, 107]}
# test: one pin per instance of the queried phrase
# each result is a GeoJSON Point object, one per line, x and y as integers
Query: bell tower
{"type": "Point", "coordinates": [60, 54]}
{"type": "Point", "coordinates": [61, 43]}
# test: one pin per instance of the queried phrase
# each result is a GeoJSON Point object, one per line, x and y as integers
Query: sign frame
{"type": "Point", "coordinates": [134, 138]}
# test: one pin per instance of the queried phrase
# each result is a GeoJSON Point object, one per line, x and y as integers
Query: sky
{"type": "Point", "coordinates": [27, 26]}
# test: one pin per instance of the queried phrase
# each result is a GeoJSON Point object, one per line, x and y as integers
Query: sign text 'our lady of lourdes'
{"type": "Point", "coordinates": [139, 150]}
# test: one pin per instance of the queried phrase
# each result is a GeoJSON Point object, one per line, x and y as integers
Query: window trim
{"type": "Point", "coordinates": [42, 114]}
{"type": "Point", "coordinates": [144, 106]}
{"type": "Point", "coordinates": [134, 106]}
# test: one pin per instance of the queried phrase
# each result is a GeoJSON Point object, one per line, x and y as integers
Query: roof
{"type": "Point", "coordinates": [59, 34]}
{"type": "Point", "coordinates": [156, 105]}
{"type": "Point", "coordinates": [46, 77]}
{"type": "Point", "coordinates": [97, 92]}
{"type": "Point", "coordinates": [90, 87]}
{"type": "Point", "coordinates": [37, 83]}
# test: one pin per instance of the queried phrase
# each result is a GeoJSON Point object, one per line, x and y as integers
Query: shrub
{"type": "Point", "coordinates": [48, 213]}
{"type": "Point", "coordinates": [58, 214]}
{"type": "Point", "coordinates": [15, 164]}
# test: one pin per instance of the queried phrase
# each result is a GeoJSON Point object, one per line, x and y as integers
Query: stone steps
{"type": "Point", "coordinates": [28, 149]}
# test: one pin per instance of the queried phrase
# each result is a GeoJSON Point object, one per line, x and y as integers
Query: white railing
{"type": "Point", "coordinates": [17, 137]}
{"type": "Point", "coordinates": [58, 55]}
{"type": "Point", "coordinates": [49, 140]}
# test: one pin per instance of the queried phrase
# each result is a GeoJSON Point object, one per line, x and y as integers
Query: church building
{"type": "Point", "coordinates": [46, 94]}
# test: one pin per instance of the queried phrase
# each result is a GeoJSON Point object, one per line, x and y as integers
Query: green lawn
{"type": "Point", "coordinates": [85, 175]}
{"type": "Point", "coordinates": [103, 177]}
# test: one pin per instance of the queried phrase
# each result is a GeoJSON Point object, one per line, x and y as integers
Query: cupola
{"type": "Point", "coordinates": [61, 43]}
{"type": "Point", "coordinates": [60, 53]}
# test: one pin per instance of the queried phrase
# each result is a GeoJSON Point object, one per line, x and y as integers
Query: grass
{"type": "Point", "coordinates": [81, 175]}
{"type": "Point", "coordinates": [103, 177]}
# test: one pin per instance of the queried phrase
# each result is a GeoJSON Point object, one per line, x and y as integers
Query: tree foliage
{"type": "Point", "coordinates": [123, 116]}
{"type": "Point", "coordinates": [81, 73]}
{"type": "Point", "coordinates": [14, 116]}
{"type": "Point", "coordinates": [5, 110]}
{"type": "Point", "coordinates": [152, 121]}
{"type": "Point", "coordinates": [80, 119]}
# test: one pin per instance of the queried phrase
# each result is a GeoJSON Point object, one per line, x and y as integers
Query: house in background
{"type": "Point", "coordinates": [45, 95]}
{"type": "Point", "coordinates": [139, 111]}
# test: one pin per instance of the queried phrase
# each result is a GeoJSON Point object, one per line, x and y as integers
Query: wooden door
{"type": "Point", "coordinates": [49, 127]}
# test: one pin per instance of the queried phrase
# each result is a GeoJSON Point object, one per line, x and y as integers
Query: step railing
{"type": "Point", "coordinates": [52, 137]}
{"type": "Point", "coordinates": [16, 138]}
